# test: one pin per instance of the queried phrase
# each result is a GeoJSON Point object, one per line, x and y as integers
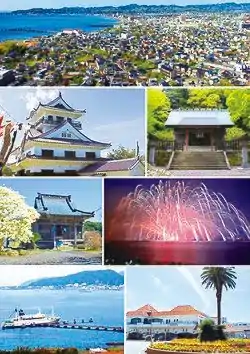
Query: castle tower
{"type": "Point", "coordinates": [55, 144]}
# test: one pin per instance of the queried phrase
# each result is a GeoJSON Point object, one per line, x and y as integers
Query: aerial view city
{"type": "Point", "coordinates": [145, 44]}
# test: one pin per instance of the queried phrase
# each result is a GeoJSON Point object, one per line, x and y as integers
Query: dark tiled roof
{"type": "Point", "coordinates": [112, 165]}
{"type": "Point", "coordinates": [36, 136]}
{"type": "Point", "coordinates": [57, 205]}
{"type": "Point", "coordinates": [51, 104]}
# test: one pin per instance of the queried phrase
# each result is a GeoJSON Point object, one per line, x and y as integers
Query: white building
{"type": "Point", "coordinates": [179, 320]}
{"type": "Point", "coordinates": [56, 145]}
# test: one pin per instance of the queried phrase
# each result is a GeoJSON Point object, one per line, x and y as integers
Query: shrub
{"type": "Point", "coordinates": [92, 240]}
{"type": "Point", "coordinates": [208, 331]}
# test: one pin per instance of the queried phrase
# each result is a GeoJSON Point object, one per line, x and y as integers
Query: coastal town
{"type": "Point", "coordinates": [189, 49]}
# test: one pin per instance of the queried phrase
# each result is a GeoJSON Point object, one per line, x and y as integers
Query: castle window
{"type": "Point", "coordinates": [47, 153]}
{"type": "Point", "coordinates": [50, 119]}
{"type": "Point", "coordinates": [70, 154]}
{"type": "Point", "coordinates": [59, 119]}
{"type": "Point", "coordinates": [64, 135]}
{"type": "Point", "coordinates": [90, 155]}
{"type": "Point", "coordinates": [68, 135]}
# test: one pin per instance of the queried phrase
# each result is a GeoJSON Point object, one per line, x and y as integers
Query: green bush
{"type": "Point", "coordinates": [162, 158]}
{"type": "Point", "coordinates": [220, 332]}
{"type": "Point", "coordinates": [207, 331]}
{"type": "Point", "coordinates": [234, 158]}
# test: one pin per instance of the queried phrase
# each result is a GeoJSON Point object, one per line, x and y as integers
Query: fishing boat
{"type": "Point", "coordinates": [21, 320]}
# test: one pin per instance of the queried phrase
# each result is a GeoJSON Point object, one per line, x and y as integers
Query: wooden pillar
{"type": "Point", "coordinates": [212, 139]}
{"type": "Point", "coordinates": [75, 234]}
{"type": "Point", "coordinates": [186, 139]}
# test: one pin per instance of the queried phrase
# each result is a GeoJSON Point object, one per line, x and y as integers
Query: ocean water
{"type": "Point", "coordinates": [105, 307]}
{"type": "Point", "coordinates": [29, 26]}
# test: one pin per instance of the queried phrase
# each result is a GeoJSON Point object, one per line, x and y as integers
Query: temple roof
{"type": "Point", "coordinates": [202, 117]}
{"type": "Point", "coordinates": [112, 165]}
{"type": "Point", "coordinates": [46, 137]}
{"type": "Point", "coordinates": [57, 103]}
{"type": "Point", "coordinates": [51, 204]}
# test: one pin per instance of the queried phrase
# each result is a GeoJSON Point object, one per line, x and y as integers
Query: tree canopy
{"type": "Point", "coordinates": [93, 226]}
{"type": "Point", "coordinates": [121, 153]}
{"type": "Point", "coordinates": [16, 218]}
{"type": "Point", "coordinates": [159, 106]}
{"type": "Point", "coordinates": [160, 103]}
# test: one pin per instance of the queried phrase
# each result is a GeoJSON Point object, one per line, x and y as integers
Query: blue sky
{"type": "Point", "coordinates": [86, 193]}
{"type": "Point", "coordinates": [113, 115]}
{"type": "Point", "coordinates": [15, 275]}
{"type": "Point", "coordinates": [26, 4]}
{"type": "Point", "coordinates": [168, 286]}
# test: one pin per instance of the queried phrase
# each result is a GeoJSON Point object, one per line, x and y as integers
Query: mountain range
{"type": "Point", "coordinates": [140, 9]}
{"type": "Point", "coordinates": [96, 277]}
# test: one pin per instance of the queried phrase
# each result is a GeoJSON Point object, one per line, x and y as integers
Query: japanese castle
{"type": "Point", "coordinates": [59, 220]}
{"type": "Point", "coordinates": [55, 145]}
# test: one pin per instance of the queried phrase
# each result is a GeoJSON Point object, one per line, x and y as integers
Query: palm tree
{"type": "Point", "coordinates": [217, 278]}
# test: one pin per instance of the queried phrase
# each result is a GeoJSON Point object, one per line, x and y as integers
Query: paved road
{"type": "Point", "coordinates": [55, 257]}
{"type": "Point", "coordinates": [136, 347]}
{"type": "Point", "coordinates": [235, 172]}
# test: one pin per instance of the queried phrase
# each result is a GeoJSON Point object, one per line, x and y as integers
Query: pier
{"type": "Point", "coordinates": [71, 326]}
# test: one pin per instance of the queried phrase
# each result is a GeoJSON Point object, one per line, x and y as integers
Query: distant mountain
{"type": "Point", "coordinates": [97, 277]}
{"type": "Point", "coordinates": [139, 9]}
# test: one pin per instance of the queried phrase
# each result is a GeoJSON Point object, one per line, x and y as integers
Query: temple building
{"type": "Point", "coordinates": [199, 140]}
{"type": "Point", "coordinates": [199, 128]}
{"type": "Point", "coordinates": [60, 220]}
{"type": "Point", "coordinates": [54, 144]}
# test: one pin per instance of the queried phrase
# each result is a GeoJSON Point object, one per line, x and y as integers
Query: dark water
{"type": "Point", "coordinates": [105, 307]}
{"type": "Point", "coordinates": [29, 26]}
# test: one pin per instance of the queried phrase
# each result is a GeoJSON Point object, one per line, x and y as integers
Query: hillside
{"type": "Point", "coordinates": [97, 277]}
{"type": "Point", "coordinates": [139, 9]}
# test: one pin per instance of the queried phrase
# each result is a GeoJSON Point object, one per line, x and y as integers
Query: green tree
{"type": "Point", "coordinates": [158, 112]}
{"type": "Point", "coordinates": [207, 330]}
{"type": "Point", "coordinates": [121, 153]}
{"type": "Point", "coordinates": [238, 103]}
{"type": "Point", "coordinates": [36, 238]}
{"type": "Point", "coordinates": [93, 226]}
{"type": "Point", "coordinates": [206, 98]}
{"type": "Point", "coordinates": [217, 278]}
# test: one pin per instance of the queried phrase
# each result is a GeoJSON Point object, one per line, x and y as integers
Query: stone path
{"type": "Point", "coordinates": [55, 257]}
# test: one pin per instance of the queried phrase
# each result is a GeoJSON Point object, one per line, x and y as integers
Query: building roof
{"type": "Point", "coordinates": [202, 117]}
{"type": "Point", "coordinates": [182, 310]}
{"type": "Point", "coordinates": [111, 166]}
{"type": "Point", "coordinates": [44, 137]}
{"type": "Point", "coordinates": [58, 103]}
{"type": "Point", "coordinates": [51, 204]}
{"type": "Point", "coordinates": [143, 311]}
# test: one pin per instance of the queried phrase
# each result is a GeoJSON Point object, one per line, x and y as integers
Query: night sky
{"type": "Point", "coordinates": [236, 191]}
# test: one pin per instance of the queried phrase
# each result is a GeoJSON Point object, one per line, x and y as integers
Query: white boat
{"type": "Point", "coordinates": [21, 320]}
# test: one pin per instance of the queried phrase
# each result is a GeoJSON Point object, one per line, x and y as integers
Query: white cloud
{"type": "Point", "coordinates": [32, 98]}
{"type": "Point", "coordinates": [189, 277]}
{"type": "Point", "coordinates": [159, 284]}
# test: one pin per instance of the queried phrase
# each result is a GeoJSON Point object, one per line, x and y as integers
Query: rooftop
{"type": "Point", "coordinates": [112, 165]}
{"type": "Point", "coordinates": [202, 117]}
{"type": "Point", "coordinates": [52, 204]}
{"type": "Point", "coordinates": [57, 103]}
{"type": "Point", "coordinates": [182, 310]}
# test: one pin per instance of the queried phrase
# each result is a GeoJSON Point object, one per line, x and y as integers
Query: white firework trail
{"type": "Point", "coordinates": [177, 212]}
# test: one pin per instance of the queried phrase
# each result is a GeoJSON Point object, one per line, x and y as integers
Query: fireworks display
{"type": "Point", "coordinates": [177, 212]}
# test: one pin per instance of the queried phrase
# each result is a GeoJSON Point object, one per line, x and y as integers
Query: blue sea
{"type": "Point", "coordinates": [30, 26]}
{"type": "Point", "coordinates": [105, 307]}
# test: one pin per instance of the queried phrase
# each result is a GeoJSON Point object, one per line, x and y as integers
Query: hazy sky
{"type": "Point", "coordinates": [115, 116]}
{"type": "Point", "coordinates": [15, 275]}
{"type": "Point", "coordinates": [168, 286]}
{"type": "Point", "coordinates": [26, 4]}
{"type": "Point", "coordinates": [86, 193]}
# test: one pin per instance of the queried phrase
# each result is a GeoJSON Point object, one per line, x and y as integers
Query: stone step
{"type": "Point", "coordinates": [190, 160]}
